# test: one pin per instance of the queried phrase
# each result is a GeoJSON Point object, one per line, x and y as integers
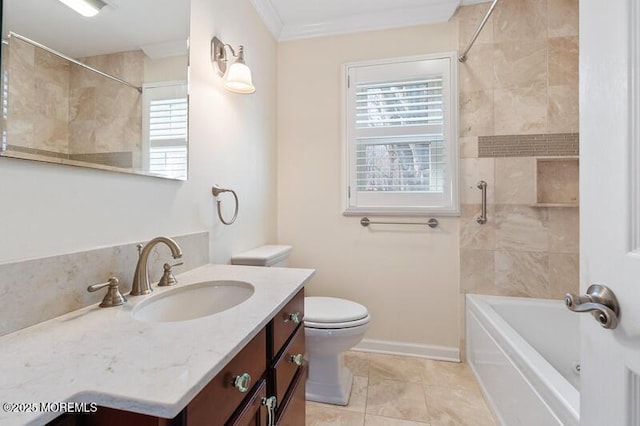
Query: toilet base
{"type": "Point", "coordinates": [329, 380]}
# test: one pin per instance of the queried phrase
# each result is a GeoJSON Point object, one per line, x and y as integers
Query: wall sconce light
{"type": "Point", "coordinates": [86, 8]}
{"type": "Point", "coordinates": [237, 76]}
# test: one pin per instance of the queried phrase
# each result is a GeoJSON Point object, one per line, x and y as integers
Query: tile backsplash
{"type": "Point", "coordinates": [36, 290]}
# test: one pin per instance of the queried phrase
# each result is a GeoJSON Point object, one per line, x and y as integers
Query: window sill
{"type": "Point", "coordinates": [395, 212]}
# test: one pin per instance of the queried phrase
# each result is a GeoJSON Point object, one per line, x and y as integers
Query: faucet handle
{"type": "Point", "coordinates": [113, 296]}
{"type": "Point", "coordinates": [168, 278]}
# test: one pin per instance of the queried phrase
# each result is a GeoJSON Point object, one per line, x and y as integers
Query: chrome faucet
{"type": "Point", "coordinates": [140, 283]}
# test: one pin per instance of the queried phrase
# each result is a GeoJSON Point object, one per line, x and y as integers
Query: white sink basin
{"type": "Point", "coordinates": [193, 301]}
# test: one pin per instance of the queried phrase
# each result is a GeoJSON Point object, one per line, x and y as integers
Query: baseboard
{"type": "Point", "coordinates": [441, 353]}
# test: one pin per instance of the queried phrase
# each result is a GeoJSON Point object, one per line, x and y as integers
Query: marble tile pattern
{"type": "Point", "coordinates": [391, 390]}
{"type": "Point", "coordinates": [518, 101]}
{"type": "Point", "coordinates": [104, 356]}
{"type": "Point", "coordinates": [37, 290]}
{"type": "Point", "coordinates": [57, 106]}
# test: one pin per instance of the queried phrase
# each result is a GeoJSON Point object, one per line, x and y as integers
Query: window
{"type": "Point", "coordinates": [165, 130]}
{"type": "Point", "coordinates": [401, 136]}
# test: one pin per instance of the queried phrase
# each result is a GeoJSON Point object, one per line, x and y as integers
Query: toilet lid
{"type": "Point", "coordinates": [331, 310]}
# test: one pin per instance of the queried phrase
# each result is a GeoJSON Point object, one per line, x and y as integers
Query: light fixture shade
{"type": "Point", "coordinates": [238, 79]}
{"type": "Point", "coordinates": [86, 8]}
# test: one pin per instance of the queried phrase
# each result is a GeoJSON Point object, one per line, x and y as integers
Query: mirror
{"type": "Point", "coordinates": [107, 91]}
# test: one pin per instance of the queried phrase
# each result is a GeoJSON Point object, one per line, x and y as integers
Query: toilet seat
{"type": "Point", "coordinates": [333, 313]}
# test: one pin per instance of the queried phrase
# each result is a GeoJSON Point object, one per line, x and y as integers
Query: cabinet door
{"type": "Point", "coordinates": [285, 323]}
{"type": "Point", "coordinates": [252, 412]}
{"type": "Point", "coordinates": [286, 366]}
{"type": "Point", "coordinates": [292, 411]}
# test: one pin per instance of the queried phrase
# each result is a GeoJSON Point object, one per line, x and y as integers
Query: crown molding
{"type": "Point", "coordinates": [269, 16]}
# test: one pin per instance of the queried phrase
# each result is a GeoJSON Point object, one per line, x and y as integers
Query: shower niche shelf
{"type": "Point", "coordinates": [557, 182]}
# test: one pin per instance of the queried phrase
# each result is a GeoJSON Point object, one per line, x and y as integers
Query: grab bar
{"type": "Point", "coordinates": [217, 190]}
{"type": "Point", "coordinates": [431, 223]}
{"type": "Point", "coordinates": [482, 219]}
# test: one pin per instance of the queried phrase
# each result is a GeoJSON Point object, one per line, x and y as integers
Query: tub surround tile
{"type": "Point", "coordinates": [459, 407]}
{"type": "Point", "coordinates": [468, 18]}
{"type": "Point", "coordinates": [522, 274]}
{"type": "Point", "coordinates": [520, 64]}
{"type": "Point", "coordinates": [520, 20]}
{"type": "Point", "coordinates": [563, 114]}
{"type": "Point", "coordinates": [564, 270]}
{"type": "Point", "coordinates": [472, 171]}
{"type": "Point", "coordinates": [29, 301]}
{"type": "Point", "coordinates": [476, 73]}
{"type": "Point", "coordinates": [522, 228]}
{"type": "Point", "coordinates": [520, 110]}
{"type": "Point", "coordinates": [563, 61]}
{"type": "Point", "coordinates": [562, 18]}
{"type": "Point", "coordinates": [401, 400]}
{"type": "Point", "coordinates": [476, 113]}
{"type": "Point", "coordinates": [468, 146]}
{"type": "Point", "coordinates": [564, 230]}
{"type": "Point", "coordinates": [515, 180]}
{"type": "Point", "coordinates": [542, 145]}
{"type": "Point", "coordinates": [477, 271]}
{"type": "Point", "coordinates": [474, 235]}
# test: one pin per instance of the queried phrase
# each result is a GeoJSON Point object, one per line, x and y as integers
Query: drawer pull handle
{"type": "Point", "coordinates": [296, 359]}
{"type": "Point", "coordinates": [294, 317]}
{"type": "Point", "coordinates": [242, 382]}
{"type": "Point", "coordinates": [270, 403]}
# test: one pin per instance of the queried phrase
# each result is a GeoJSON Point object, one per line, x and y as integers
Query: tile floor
{"type": "Point", "coordinates": [393, 390]}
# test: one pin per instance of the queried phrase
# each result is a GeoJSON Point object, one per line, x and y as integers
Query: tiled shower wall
{"type": "Point", "coordinates": [59, 109]}
{"type": "Point", "coordinates": [519, 98]}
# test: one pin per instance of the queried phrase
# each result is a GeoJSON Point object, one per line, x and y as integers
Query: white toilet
{"type": "Point", "coordinates": [331, 326]}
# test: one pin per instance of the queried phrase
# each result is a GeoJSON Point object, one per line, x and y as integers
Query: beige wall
{"type": "Point", "coordinates": [57, 209]}
{"type": "Point", "coordinates": [521, 78]}
{"type": "Point", "coordinates": [407, 276]}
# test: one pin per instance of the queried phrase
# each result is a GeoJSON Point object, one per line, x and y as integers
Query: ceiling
{"type": "Point", "coordinates": [120, 26]}
{"type": "Point", "coordinates": [293, 19]}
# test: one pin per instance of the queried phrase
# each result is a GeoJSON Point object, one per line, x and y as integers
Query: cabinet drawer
{"type": "Point", "coordinates": [219, 399]}
{"type": "Point", "coordinates": [252, 412]}
{"type": "Point", "coordinates": [285, 323]}
{"type": "Point", "coordinates": [285, 366]}
{"type": "Point", "coordinates": [292, 412]}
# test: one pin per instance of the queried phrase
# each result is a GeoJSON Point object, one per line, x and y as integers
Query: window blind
{"type": "Point", "coordinates": [168, 135]}
{"type": "Point", "coordinates": [402, 162]}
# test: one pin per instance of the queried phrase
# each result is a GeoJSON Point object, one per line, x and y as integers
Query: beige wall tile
{"type": "Point", "coordinates": [523, 274]}
{"type": "Point", "coordinates": [520, 20]}
{"type": "Point", "coordinates": [476, 113]}
{"type": "Point", "coordinates": [564, 271]}
{"type": "Point", "coordinates": [477, 271]}
{"type": "Point", "coordinates": [473, 170]}
{"type": "Point", "coordinates": [468, 19]}
{"type": "Point", "coordinates": [564, 230]}
{"type": "Point", "coordinates": [562, 18]}
{"type": "Point", "coordinates": [468, 147]}
{"type": "Point", "coordinates": [52, 68]}
{"type": "Point", "coordinates": [563, 61]}
{"type": "Point", "coordinates": [520, 64]}
{"type": "Point", "coordinates": [521, 228]}
{"type": "Point", "coordinates": [51, 135]}
{"type": "Point", "coordinates": [82, 103]}
{"type": "Point", "coordinates": [521, 110]}
{"type": "Point", "coordinates": [52, 100]}
{"type": "Point", "coordinates": [476, 73]}
{"type": "Point", "coordinates": [515, 180]}
{"type": "Point", "coordinates": [563, 114]}
{"type": "Point", "coordinates": [82, 136]}
{"type": "Point", "coordinates": [474, 235]}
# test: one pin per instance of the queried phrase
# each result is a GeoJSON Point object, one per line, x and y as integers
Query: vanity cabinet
{"type": "Point", "coordinates": [273, 360]}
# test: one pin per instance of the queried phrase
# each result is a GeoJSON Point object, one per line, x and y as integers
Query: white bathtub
{"type": "Point", "coordinates": [525, 355]}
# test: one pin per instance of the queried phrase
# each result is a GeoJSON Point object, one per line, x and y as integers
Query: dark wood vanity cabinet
{"type": "Point", "coordinates": [274, 361]}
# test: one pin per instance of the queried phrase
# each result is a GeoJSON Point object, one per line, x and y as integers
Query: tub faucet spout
{"type": "Point", "coordinates": [141, 283]}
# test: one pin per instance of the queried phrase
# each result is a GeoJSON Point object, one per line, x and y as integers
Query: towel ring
{"type": "Point", "coordinates": [217, 190]}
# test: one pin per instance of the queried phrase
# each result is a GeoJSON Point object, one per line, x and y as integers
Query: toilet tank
{"type": "Point", "coordinates": [263, 256]}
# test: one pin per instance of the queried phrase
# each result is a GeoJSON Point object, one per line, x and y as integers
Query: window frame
{"type": "Point", "coordinates": [450, 132]}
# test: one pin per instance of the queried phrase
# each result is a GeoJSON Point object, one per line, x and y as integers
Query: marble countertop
{"type": "Point", "coordinates": [104, 356]}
